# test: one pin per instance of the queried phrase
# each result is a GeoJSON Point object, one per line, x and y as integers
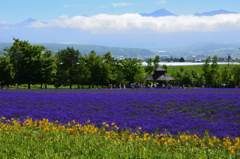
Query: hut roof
{"type": "Point", "coordinates": [160, 69]}
{"type": "Point", "coordinates": [165, 78]}
{"type": "Point", "coordinates": [159, 78]}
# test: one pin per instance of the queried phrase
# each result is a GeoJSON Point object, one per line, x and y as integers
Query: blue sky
{"type": "Point", "coordinates": [15, 11]}
{"type": "Point", "coordinates": [116, 23]}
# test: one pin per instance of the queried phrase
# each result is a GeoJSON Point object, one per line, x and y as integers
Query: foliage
{"type": "Point", "coordinates": [6, 71]}
{"type": "Point", "coordinates": [67, 61]}
{"type": "Point", "coordinates": [130, 68]}
{"type": "Point", "coordinates": [23, 63]}
{"type": "Point", "coordinates": [181, 59]}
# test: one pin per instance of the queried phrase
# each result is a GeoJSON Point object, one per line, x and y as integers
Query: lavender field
{"type": "Point", "coordinates": [154, 110]}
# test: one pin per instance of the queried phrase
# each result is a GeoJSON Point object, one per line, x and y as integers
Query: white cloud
{"type": "Point", "coordinates": [63, 17]}
{"type": "Point", "coordinates": [3, 22]}
{"type": "Point", "coordinates": [104, 6]}
{"type": "Point", "coordinates": [104, 23]}
{"type": "Point", "coordinates": [161, 2]}
{"type": "Point", "coordinates": [120, 4]}
{"type": "Point", "coordinates": [70, 6]}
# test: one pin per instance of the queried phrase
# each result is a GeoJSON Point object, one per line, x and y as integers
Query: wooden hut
{"type": "Point", "coordinates": [159, 76]}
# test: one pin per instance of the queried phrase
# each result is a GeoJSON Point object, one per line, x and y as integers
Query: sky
{"type": "Point", "coordinates": [117, 23]}
{"type": "Point", "coordinates": [15, 11]}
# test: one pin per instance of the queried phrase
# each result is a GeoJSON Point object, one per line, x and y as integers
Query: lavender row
{"type": "Point", "coordinates": [193, 113]}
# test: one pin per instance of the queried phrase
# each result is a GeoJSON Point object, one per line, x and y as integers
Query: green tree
{"type": "Point", "coordinates": [181, 69]}
{"type": "Point", "coordinates": [156, 61]}
{"type": "Point", "coordinates": [6, 71]}
{"type": "Point", "coordinates": [95, 64]}
{"type": "Point", "coordinates": [181, 59]}
{"type": "Point", "coordinates": [225, 76]}
{"type": "Point", "coordinates": [110, 71]}
{"type": "Point", "coordinates": [25, 59]}
{"type": "Point", "coordinates": [83, 73]}
{"type": "Point", "coordinates": [47, 68]}
{"type": "Point", "coordinates": [207, 72]}
{"type": "Point", "coordinates": [131, 68]}
{"type": "Point", "coordinates": [149, 68]}
{"type": "Point", "coordinates": [165, 66]}
{"type": "Point", "coordinates": [67, 60]}
{"type": "Point", "coordinates": [214, 71]}
{"type": "Point", "coordinates": [187, 78]}
{"type": "Point", "coordinates": [236, 74]}
{"type": "Point", "coordinates": [139, 78]}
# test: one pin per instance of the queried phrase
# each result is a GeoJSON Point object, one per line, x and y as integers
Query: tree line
{"type": "Point", "coordinates": [23, 63]}
{"type": "Point", "coordinates": [212, 76]}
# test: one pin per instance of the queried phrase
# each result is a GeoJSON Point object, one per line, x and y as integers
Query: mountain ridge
{"type": "Point", "coordinates": [100, 50]}
{"type": "Point", "coordinates": [158, 13]}
{"type": "Point", "coordinates": [215, 12]}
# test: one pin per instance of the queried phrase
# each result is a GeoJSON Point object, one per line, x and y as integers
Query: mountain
{"type": "Point", "coordinates": [25, 22]}
{"type": "Point", "coordinates": [100, 50]}
{"type": "Point", "coordinates": [212, 13]}
{"type": "Point", "coordinates": [158, 13]}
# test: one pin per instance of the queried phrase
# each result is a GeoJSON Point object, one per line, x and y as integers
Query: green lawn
{"type": "Point", "coordinates": [198, 68]}
{"type": "Point", "coordinates": [38, 86]}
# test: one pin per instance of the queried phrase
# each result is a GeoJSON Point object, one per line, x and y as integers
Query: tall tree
{"type": "Point", "coordinates": [25, 60]}
{"type": "Point", "coordinates": [149, 68]}
{"type": "Point", "coordinates": [207, 72]}
{"type": "Point", "coordinates": [47, 67]}
{"type": "Point", "coordinates": [94, 63]}
{"type": "Point", "coordinates": [110, 68]}
{"type": "Point", "coordinates": [156, 61]}
{"type": "Point", "coordinates": [225, 76]}
{"type": "Point", "coordinates": [6, 71]}
{"type": "Point", "coordinates": [83, 73]}
{"type": "Point", "coordinates": [214, 71]}
{"type": "Point", "coordinates": [236, 74]}
{"type": "Point", "coordinates": [131, 68]}
{"type": "Point", "coordinates": [181, 59]}
{"type": "Point", "coordinates": [67, 60]}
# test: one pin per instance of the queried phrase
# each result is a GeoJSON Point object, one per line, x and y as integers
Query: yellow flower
{"type": "Point", "coordinates": [140, 128]}
{"type": "Point", "coordinates": [112, 123]}
{"type": "Point", "coordinates": [73, 121]}
{"type": "Point", "coordinates": [107, 125]}
{"type": "Point", "coordinates": [88, 121]}
{"type": "Point", "coordinates": [103, 123]}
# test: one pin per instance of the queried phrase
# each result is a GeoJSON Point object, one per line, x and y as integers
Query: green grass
{"type": "Point", "coordinates": [198, 68]}
{"type": "Point", "coordinates": [43, 139]}
{"type": "Point", "coordinates": [38, 86]}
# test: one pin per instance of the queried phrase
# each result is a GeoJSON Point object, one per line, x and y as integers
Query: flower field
{"type": "Point", "coordinates": [134, 113]}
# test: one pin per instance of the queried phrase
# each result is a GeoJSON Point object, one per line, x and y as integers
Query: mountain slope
{"type": "Point", "coordinates": [212, 13]}
{"type": "Point", "coordinates": [158, 13]}
{"type": "Point", "coordinates": [100, 50]}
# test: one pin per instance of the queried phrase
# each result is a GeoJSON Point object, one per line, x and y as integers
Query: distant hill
{"type": "Point", "coordinates": [212, 13]}
{"type": "Point", "coordinates": [100, 50]}
{"type": "Point", "coordinates": [158, 13]}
